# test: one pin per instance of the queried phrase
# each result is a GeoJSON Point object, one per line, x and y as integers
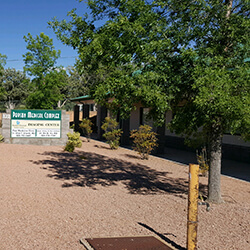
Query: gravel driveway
{"type": "Point", "coordinates": [50, 199]}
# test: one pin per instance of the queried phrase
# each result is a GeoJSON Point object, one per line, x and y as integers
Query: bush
{"type": "Point", "coordinates": [202, 161]}
{"type": "Point", "coordinates": [86, 126]}
{"type": "Point", "coordinates": [69, 146]}
{"type": "Point", "coordinates": [144, 140]}
{"type": "Point", "coordinates": [1, 138]}
{"type": "Point", "coordinates": [73, 141]}
{"type": "Point", "coordinates": [112, 133]}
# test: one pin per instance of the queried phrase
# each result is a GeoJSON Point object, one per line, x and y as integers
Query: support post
{"type": "Point", "coordinates": [125, 126]}
{"type": "Point", "coordinates": [193, 192]}
{"type": "Point", "coordinates": [161, 139]}
{"type": "Point", "coordinates": [85, 111]}
{"type": "Point", "coordinates": [101, 114]}
{"type": "Point", "coordinates": [76, 118]}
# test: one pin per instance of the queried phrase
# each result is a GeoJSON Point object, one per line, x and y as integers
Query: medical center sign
{"type": "Point", "coordinates": [35, 124]}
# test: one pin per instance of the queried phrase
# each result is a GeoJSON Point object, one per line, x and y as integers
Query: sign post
{"type": "Point", "coordinates": [193, 206]}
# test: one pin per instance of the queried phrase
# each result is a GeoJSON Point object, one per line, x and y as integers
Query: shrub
{"type": "Point", "coordinates": [144, 140]}
{"type": "Point", "coordinates": [86, 126]}
{"type": "Point", "coordinates": [112, 133]}
{"type": "Point", "coordinates": [73, 141]}
{"type": "Point", "coordinates": [1, 138]}
{"type": "Point", "coordinates": [69, 146]}
{"type": "Point", "coordinates": [202, 161]}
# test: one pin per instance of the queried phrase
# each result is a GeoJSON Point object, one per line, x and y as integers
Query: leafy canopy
{"type": "Point", "coordinates": [46, 95]}
{"type": "Point", "coordinates": [164, 53]}
{"type": "Point", "coordinates": [48, 85]}
{"type": "Point", "coordinates": [2, 63]}
{"type": "Point", "coordinates": [190, 56]}
{"type": "Point", "coordinates": [41, 57]}
{"type": "Point", "coordinates": [14, 85]}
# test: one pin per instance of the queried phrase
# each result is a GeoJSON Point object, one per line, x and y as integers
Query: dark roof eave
{"type": "Point", "coordinates": [85, 98]}
{"type": "Point", "coordinates": [81, 98]}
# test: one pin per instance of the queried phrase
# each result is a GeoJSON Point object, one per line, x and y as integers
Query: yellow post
{"type": "Point", "coordinates": [193, 206]}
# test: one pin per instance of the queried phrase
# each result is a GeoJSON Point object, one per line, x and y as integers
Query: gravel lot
{"type": "Point", "coordinates": [50, 199]}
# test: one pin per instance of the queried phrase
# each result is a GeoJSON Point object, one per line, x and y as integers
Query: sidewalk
{"type": "Point", "coordinates": [235, 169]}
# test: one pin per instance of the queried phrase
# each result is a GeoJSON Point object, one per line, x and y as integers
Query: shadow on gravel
{"type": "Point", "coordinates": [163, 237]}
{"type": "Point", "coordinates": [91, 169]}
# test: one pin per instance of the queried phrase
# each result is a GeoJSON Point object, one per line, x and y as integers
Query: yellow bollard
{"type": "Point", "coordinates": [193, 192]}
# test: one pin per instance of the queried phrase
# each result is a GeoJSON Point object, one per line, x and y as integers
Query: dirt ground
{"type": "Point", "coordinates": [50, 199]}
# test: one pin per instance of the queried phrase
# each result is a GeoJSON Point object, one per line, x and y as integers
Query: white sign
{"type": "Point", "coordinates": [35, 124]}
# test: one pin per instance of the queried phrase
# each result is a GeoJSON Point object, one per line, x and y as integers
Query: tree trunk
{"type": "Point", "coordinates": [214, 183]}
{"type": "Point", "coordinates": [10, 105]}
{"type": "Point", "coordinates": [59, 105]}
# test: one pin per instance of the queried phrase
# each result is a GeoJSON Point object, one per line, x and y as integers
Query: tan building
{"type": "Point", "coordinates": [234, 147]}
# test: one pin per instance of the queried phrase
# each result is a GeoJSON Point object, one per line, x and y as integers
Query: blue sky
{"type": "Point", "coordinates": [20, 17]}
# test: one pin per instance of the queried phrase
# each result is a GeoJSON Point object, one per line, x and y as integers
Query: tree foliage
{"type": "Point", "coordinates": [108, 52]}
{"type": "Point", "coordinates": [14, 85]}
{"type": "Point", "coordinates": [2, 63]}
{"type": "Point", "coordinates": [78, 84]}
{"type": "Point", "coordinates": [190, 56]}
{"type": "Point", "coordinates": [41, 57]}
{"type": "Point", "coordinates": [47, 94]}
{"type": "Point", "coordinates": [49, 82]}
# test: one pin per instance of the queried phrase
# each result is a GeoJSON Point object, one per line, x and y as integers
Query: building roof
{"type": "Point", "coordinates": [86, 99]}
{"type": "Point", "coordinates": [81, 98]}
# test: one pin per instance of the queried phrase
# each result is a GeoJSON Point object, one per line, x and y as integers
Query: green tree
{"type": "Point", "coordinates": [77, 83]}
{"type": "Point", "coordinates": [41, 57]}
{"type": "Point", "coordinates": [14, 84]}
{"type": "Point", "coordinates": [189, 55]}
{"type": "Point", "coordinates": [2, 63]}
{"type": "Point", "coordinates": [215, 37]}
{"type": "Point", "coordinates": [48, 83]}
{"type": "Point", "coordinates": [49, 93]}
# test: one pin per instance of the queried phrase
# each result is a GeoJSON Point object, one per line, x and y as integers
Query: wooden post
{"type": "Point", "coordinates": [193, 192]}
